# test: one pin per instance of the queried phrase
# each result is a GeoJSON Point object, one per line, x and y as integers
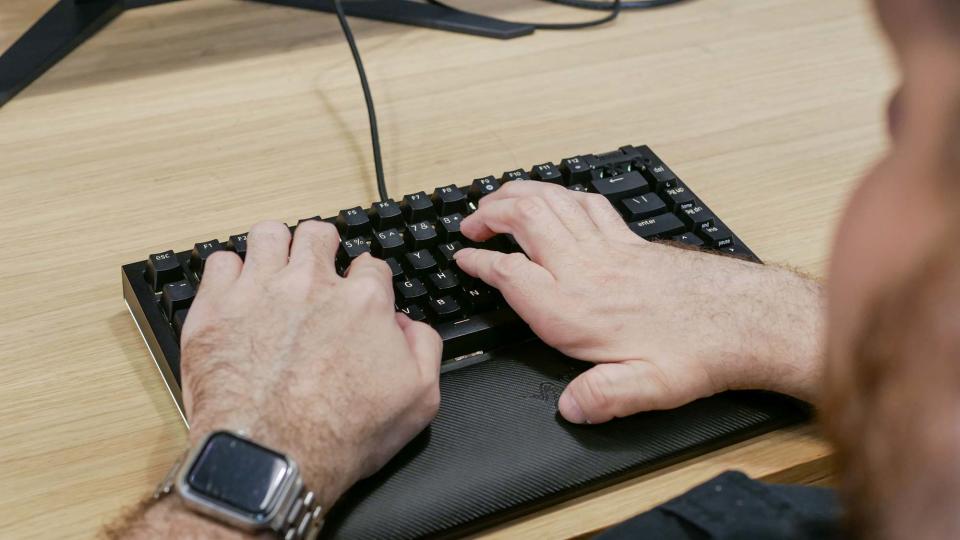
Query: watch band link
{"type": "Point", "coordinates": [304, 519]}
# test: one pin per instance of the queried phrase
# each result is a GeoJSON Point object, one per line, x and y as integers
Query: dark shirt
{"type": "Point", "coordinates": [732, 506]}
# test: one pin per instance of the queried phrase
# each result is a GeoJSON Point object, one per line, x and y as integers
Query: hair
{"type": "Point", "coordinates": [893, 408]}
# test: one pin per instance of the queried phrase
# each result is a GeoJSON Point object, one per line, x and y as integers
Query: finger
{"type": "Point", "coordinates": [315, 244]}
{"type": "Point", "coordinates": [268, 248]}
{"type": "Point", "coordinates": [561, 200]}
{"type": "Point", "coordinates": [605, 216]}
{"type": "Point", "coordinates": [531, 222]}
{"type": "Point", "coordinates": [520, 280]}
{"type": "Point", "coordinates": [425, 343]}
{"type": "Point", "coordinates": [220, 272]}
{"type": "Point", "coordinates": [614, 390]}
{"type": "Point", "coordinates": [367, 267]}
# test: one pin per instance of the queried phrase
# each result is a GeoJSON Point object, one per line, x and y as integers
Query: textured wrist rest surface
{"type": "Point", "coordinates": [498, 448]}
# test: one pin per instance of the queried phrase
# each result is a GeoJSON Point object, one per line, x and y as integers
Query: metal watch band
{"type": "Point", "coordinates": [304, 519]}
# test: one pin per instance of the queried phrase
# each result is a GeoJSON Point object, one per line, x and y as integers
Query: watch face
{"type": "Point", "coordinates": [238, 473]}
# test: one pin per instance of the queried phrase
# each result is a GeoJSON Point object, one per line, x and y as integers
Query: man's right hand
{"type": "Point", "coordinates": [665, 325]}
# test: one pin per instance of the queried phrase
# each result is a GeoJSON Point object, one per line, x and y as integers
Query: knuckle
{"type": "Point", "coordinates": [529, 208]}
{"type": "Point", "coordinates": [507, 266]}
{"type": "Point", "coordinates": [371, 293]}
{"type": "Point", "coordinates": [379, 265]}
{"type": "Point", "coordinates": [431, 401]}
{"type": "Point", "coordinates": [221, 260]}
{"type": "Point", "coordinates": [593, 394]}
{"type": "Point", "coordinates": [597, 200]}
{"type": "Point", "coordinates": [270, 229]}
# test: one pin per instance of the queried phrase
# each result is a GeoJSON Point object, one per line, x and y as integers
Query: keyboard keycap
{"type": "Point", "coordinates": [350, 250]}
{"type": "Point", "coordinates": [179, 319]}
{"type": "Point", "coordinates": [414, 311]}
{"type": "Point", "coordinates": [445, 308]}
{"type": "Point", "coordinates": [481, 332]}
{"type": "Point", "coordinates": [547, 172]}
{"type": "Point", "coordinates": [659, 174]}
{"type": "Point", "coordinates": [449, 228]}
{"type": "Point", "coordinates": [420, 262]}
{"type": "Point", "coordinates": [621, 186]}
{"type": "Point", "coordinates": [201, 252]}
{"type": "Point", "coordinates": [238, 244]}
{"type": "Point", "coordinates": [480, 298]}
{"type": "Point", "coordinates": [643, 206]}
{"type": "Point", "coordinates": [421, 235]}
{"type": "Point", "coordinates": [717, 236]}
{"type": "Point", "coordinates": [163, 268]}
{"type": "Point", "coordinates": [516, 174]}
{"type": "Point", "coordinates": [396, 271]}
{"type": "Point", "coordinates": [689, 238]}
{"type": "Point", "coordinates": [578, 187]}
{"type": "Point", "coordinates": [417, 207]}
{"type": "Point", "coordinates": [410, 291]}
{"type": "Point", "coordinates": [697, 217]}
{"type": "Point", "coordinates": [739, 250]}
{"type": "Point", "coordinates": [678, 197]}
{"type": "Point", "coordinates": [386, 215]}
{"type": "Point", "coordinates": [658, 226]}
{"type": "Point", "coordinates": [176, 296]}
{"type": "Point", "coordinates": [483, 186]}
{"type": "Point", "coordinates": [449, 199]}
{"type": "Point", "coordinates": [443, 283]}
{"type": "Point", "coordinates": [575, 171]}
{"type": "Point", "coordinates": [388, 243]}
{"type": "Point", "coordinates": [353, 222]}
{"type": "Point", "coordinates": [447, 252]}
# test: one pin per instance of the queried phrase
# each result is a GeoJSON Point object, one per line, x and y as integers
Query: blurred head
{"type": "Point", "coordinates": [893, 372]}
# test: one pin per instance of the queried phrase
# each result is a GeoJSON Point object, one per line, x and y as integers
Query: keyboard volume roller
{"type": "Point", "coordinates": [163, 268]}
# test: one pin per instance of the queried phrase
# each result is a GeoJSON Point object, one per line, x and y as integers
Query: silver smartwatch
{"type": "Point", "coordinates": [245, 485]}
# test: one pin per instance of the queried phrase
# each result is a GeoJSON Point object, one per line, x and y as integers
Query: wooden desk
{"type": "Point", "coordinates": [190, 120]}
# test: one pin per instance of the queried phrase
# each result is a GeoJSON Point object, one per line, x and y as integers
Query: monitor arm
{"type": "Point", "coordinates": [71, 22]}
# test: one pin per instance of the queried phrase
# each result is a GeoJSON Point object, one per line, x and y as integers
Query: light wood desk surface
{"type": "Point", "coordinates": [191, 120]}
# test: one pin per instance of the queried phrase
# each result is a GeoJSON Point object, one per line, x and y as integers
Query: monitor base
{"type": "Point", "coordinates": [71, 22]}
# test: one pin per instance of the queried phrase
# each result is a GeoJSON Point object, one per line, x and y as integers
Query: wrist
{"type": "Point", "coordinates": [170, 518]}
{"type": "Point", "coordinates": [325, 464]}
{"type": "Point", "coordinates": [781, 332]}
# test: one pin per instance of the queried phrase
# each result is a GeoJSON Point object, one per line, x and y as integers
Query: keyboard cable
{"type": "Point", "coordinates": [615, 6]}
{"type": "Point", "coordinates": [368, 98]}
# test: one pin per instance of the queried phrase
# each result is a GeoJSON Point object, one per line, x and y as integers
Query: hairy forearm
{"type": "Point", "coordinates": [169, 518]}
{"type": "Point", "coordinates": [783, 330]}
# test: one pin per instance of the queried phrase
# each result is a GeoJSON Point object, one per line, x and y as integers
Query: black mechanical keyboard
{"type": "Point", "coordinates": [497, 448]}
{"type": "Point", "coordinates": [418, 237]}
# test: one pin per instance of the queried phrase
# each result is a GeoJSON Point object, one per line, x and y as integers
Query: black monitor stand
{"type": "Point", "coordinates": [70, 22]}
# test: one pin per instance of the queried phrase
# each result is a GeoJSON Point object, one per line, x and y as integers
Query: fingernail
{"type": "Point", "coordinates": [462, 253]}
{"type": "Point", "coordinates": [571, 410]}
